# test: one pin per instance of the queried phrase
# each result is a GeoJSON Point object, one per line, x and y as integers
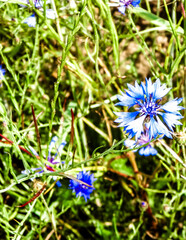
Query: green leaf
{"type": "Point", "coordinates": [2, 109]}
{"type": "Point", "coordinates": [121, 166]}
{"type": "Point", "coordinates": [158, 21]}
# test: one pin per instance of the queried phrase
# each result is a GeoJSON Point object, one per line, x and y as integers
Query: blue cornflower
{"type": "Point", "coordinates": [80, 189]}
{"type": "Point", "coordinates": [59, 150]}
{"type": "Point", "coordinates": [146, 98]}
{"type": "Point", "coordinates": [2, 72]}
{"type": "Point", "coordinates": [123, 4]}
{"type": "Point", "coordinates": [144, 138]}
{"type": "Point", "coordinates": [50, 14]}
{"type": "Point", "coordinates": [37, 3]}
{"type": "Point", "coordinates": [31, 20]}
{"type": "Point", "coordinates": [51, 159]}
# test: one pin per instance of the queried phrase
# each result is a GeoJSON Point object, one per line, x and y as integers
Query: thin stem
{"type": "Point", "coordinates": [57, 20]}
{"type": "Point", "coordinates": [51, 219]}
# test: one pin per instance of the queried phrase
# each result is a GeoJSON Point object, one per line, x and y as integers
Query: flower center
{"type": "Point", "coordinates": [149, 106]}
{"type": "Point", "coordinates": [143, 139]}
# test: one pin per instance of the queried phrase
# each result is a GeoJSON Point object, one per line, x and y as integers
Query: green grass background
{"type": "Point", "coordinates": [79, 62]}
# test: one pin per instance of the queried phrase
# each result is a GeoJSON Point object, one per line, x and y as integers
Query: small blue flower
{"type": "Point", "coordinates": [146, 98]}
{"type": "Point", "coordinates": [144, 139]}
{"type": "Point", "coordinates": [51, 159]}
{"type": "Point", "coordinates": [50, 14]}
{"type": "Point", "coordinates": [37, 3]}
{"type": "Point", "coordinates": [59, 150]}
{"type": "Point", "coordinates": [31, 20]}
{"type": "Point", "coordinates": [2, 72]}
{"type": "Point", "coordinates": [40, 3]}
{"type": "Point", "coordinates": [123, 4]}
{"type": "Point", "coordinates": [80, 189]}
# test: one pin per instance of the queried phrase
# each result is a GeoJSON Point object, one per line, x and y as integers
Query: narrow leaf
{"type": "Point", "coordinates": [158, 21]}
{"type": "Point", "coordinates": [36, 128]}
{"type": "Point", "coordinates": [72, 128]}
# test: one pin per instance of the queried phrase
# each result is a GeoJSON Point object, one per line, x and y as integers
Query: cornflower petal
{"type": "Point", "coordinates": [135, 3]}
{"type": "Point", "coordinates": [123, 4]}
{"type": "Point", "coordinates": [160, 91]}
{"type": "Point", "coordinates": [172, 106]}
{"type": "Point", "coordinates": [60, 148]}
{"type": "Point", "coordinates": [31, 20]}
{"type": "Point", "coordinates": [50, 13]}
{"type": "Point", "coordinates": [33, 151]}
{"type": "Point", "coordinates": [147, 151]}
{"type": "Point", "coordinates": [135, 92]}
{"type": "Point", "coordinates": [135, 127]}
{"type": "Point", "coordinates": [59, 184]}
{"type": "Point", "coordinates": [148, 88]}
{"type": "Point", "coordinates": [126, 100]}
{"type": "Point", "coordinates": [130, 144]}
{"type": "Point", "coordinates": [2, 72]}
{"type": "Point", "coordinates": [158, 128]}
{"type": "Point", "coordinates": [164, 130]}
{"type": "Point", "coordinates": [52, 145]}
{"type": "Point", "coordinates": [144, 139]}
{"type": "Point", "coordinates": [171, 120]}
{"type": "Point", "coordinates": [122, 9]}
{"type": "Point", "coordinates": [38, 3]}
{"type": "Point", "coordinates": [125, 117]}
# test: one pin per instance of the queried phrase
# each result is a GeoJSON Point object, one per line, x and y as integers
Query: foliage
{"type": "Point", "coordinates": [61, 77]}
